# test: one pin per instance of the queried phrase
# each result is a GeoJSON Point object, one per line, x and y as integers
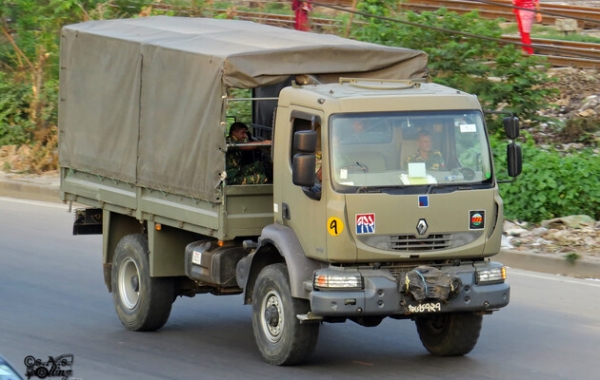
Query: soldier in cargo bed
{"type": "Point", "coordinates": [239, 171]}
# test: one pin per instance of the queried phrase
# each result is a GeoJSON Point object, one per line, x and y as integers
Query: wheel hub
{"type": "Point", "coordinates": [129, 283]}
{"type": "Point", "coordinates": [135, 283]}
{"type": "Point", "coordinates": [272, 315]}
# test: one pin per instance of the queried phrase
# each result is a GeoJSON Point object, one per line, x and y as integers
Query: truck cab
{"type": "Point", "coordinates": [384, 232]}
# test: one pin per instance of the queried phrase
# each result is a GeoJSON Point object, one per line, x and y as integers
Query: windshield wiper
{"type": "Point", "coordinates": [364, 169]}
{"type": "Point", "coordinates": [377, 189]}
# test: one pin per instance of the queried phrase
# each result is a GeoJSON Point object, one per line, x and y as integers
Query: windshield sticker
{"type": "Point", "coordinates": [335, 226]}
{"type": "Point", "coordinates": [476, 220]}
{"type": "Point", "coordinates": [365, 224]}
{"type": "Point", "coordinates": [423, 200]}
{"type": "Point", "coordinates": [468, 128]}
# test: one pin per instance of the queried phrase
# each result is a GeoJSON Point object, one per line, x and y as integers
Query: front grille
{"type": "Point", "coordinates": [413, 243]}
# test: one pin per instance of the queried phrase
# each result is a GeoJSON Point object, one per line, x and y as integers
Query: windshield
{"type": "Point", "coordinates": [400, 150]}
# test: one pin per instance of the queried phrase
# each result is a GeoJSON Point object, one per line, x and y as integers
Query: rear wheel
{"type": "Point", "coordinates": [143, 303]}
{"type": "Point", "coordinates": [280, 337]}
{"type": "Point", "coordinates": [449, 334]}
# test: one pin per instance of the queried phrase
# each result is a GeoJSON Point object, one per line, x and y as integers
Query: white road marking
{"type": "Point", "coordinates": [35, 203]}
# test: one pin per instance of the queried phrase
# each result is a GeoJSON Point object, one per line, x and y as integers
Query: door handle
{"type": "Point", "coordinates": [285, 211]}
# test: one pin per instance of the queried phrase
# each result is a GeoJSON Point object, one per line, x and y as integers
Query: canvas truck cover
{"type": "Point", "coordinates": [142, 100]}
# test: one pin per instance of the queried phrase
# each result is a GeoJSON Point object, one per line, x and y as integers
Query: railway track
{"type": "Point", "coordinates": [587, 18]}
{"type": "Point", "coordinates": [577, 54]}
{"type": "Point", "coordinates": [559, 53]}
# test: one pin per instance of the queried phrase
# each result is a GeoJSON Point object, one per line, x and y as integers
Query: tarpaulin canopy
{"type": "Point", "coordinates": [142, 100]}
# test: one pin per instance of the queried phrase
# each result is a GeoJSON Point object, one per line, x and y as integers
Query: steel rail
{"type": "Point", "coordinates": [587, 17]}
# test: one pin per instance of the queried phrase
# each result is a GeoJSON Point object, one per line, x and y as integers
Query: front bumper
{"type": "Point", "coordinates": [381, 296]}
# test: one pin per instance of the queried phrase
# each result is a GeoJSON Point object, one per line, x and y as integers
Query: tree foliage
{"type": "Point", "coordinates": [29, 58]}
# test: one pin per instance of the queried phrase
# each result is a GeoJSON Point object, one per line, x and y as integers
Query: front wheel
{"type": "Point", "coordinates": [143, 303]}
{"type": "Point", "coordinates": [449, 334]}
{"type": "Point", "coordinates": [280, 337]}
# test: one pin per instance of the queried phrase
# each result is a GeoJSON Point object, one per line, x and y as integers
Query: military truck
{"type": "Point", "coordinates": [145, 106]}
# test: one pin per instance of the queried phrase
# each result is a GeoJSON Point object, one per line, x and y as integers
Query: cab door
{"type": "Point", "coordinates": [298, 207]}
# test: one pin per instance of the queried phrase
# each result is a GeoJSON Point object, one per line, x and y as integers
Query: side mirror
{"type": "Point", "coordinates": [514, 159]}
{"type": "Point", "coordinates": [511, 127]}
{"type": "Point", "coordinates": [305, 142]}
{"type": "Point", "coordinates": [303, 169]}
{"type": "Point", "coordinates": [304, 163]}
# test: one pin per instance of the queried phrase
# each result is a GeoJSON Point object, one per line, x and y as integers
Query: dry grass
{"type": "Point", "coordinates": [38, 158]}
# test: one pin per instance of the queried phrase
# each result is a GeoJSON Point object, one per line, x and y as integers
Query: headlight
{"type": "Point", "coordinates": [491, 275]}
{"type": "Point", "coordinates": [332, 279]}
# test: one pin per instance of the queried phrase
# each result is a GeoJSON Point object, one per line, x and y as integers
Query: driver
{"type": "Point", "coordinates": [432, 158]}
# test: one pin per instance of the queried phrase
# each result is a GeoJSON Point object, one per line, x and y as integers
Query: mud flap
{"type": "Point", "coordinates": [425, 282]}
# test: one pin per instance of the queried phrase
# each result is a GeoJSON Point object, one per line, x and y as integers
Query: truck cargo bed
{"type": "Point", "coordinates": [244, 210]}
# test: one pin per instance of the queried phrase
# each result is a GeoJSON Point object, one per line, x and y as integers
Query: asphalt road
{"type": "Point", "coordinates": [53, 301]}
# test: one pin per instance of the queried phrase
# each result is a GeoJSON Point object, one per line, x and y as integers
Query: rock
{"type": "Point", "coordinates": [517, 232]}
{"type": "Point", "coordinates": [571, 234]}
{"type": "Point", "coordinates": [587, 113]}
{"type": "Point", "coordinates": [573, 221]}
{"type": "Point", "coordinates": [539, 231]}
{"type": "Point", "coordinates": [512, 229]}
{"type": "Point", "coordinates": [506, 242]}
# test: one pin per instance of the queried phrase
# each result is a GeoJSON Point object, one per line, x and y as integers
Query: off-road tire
{"type": "Point", "coordinates": [280, 337]}
{"type": "Point", "coordinates": [449, 334]}
{"type": "Point", "coordinates": [143, 303]}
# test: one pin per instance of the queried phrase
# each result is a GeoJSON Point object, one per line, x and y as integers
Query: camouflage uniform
{"type": "Point", "coordinates": [435, 161]}
{"type": "Point", "coordinates": [318, 159]}
{"type": "Point", "coordinates": [253, 173]}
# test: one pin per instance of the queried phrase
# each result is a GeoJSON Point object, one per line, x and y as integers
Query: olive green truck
{"type": "Point", "coordinates": [401, 224]}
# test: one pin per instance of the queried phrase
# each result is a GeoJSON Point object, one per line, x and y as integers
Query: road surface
{"type": "Point", "coordinates": [53, 301]}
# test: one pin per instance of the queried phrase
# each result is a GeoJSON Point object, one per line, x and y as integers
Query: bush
{"type": "Point", "coordinates": [552, 184]}
{"type": "Point", "coordinates": [15, 124]}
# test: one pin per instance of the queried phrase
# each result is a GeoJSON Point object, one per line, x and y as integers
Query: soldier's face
{"type": "Point", "coordinates": [425, 143]}
{"type": "Point", "coordinates": [240, 134]}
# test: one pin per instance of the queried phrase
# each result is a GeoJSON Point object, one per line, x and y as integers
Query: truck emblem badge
{"type": "Point", "coordinates": [423, 200]}
{"type": "Point", "coordinates": [365, 224]}
{"type": "Point", "coordinates": [422, 226]}
{"type": "Point", "coordinates": [476, 220]}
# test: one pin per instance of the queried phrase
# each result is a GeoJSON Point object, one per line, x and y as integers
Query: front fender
{"type": "Point", "coordinates": [277, 243]}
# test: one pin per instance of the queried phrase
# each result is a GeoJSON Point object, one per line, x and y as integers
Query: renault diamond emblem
{"type": "Point", "coordinates": [422, 226]}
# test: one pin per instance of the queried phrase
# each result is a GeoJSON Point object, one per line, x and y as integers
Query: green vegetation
{"type": "Point", "coordinates": [552, 184]}
{"type": "Point", "coordinates": [572, 257]}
